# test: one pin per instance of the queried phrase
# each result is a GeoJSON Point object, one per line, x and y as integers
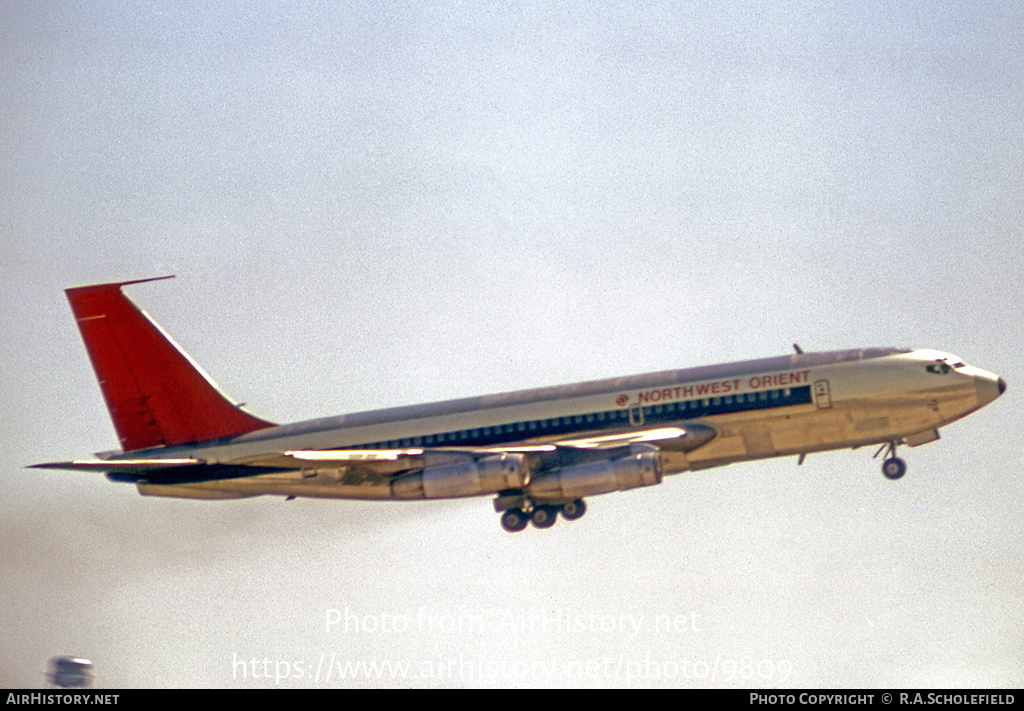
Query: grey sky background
{"type": "Point", "coordinates": [375, 204]}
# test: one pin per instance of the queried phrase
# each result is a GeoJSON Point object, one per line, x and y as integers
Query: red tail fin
{"type": "Point", "coordinates": [155, 393]}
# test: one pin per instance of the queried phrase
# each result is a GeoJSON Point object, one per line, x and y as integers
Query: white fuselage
{"type": "Point", "coordinates": [764, 408]}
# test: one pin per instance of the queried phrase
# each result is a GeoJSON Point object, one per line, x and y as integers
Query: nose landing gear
{"type": "Point", "coordinates": [893, 467]}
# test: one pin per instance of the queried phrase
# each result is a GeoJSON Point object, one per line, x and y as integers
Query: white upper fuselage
{"type": "Point", "coordinates": [787, 405]}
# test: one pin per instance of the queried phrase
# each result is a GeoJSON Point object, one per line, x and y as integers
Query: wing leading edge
{"type": "Point", "coordinates": [381, 466]}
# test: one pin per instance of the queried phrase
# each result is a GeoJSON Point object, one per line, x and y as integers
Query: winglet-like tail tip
{"type": "Point", "coordinates": [119, 284]}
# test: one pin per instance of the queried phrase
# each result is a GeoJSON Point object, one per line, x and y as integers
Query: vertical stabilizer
{"type": "Point", "coordinates": [155, 393]}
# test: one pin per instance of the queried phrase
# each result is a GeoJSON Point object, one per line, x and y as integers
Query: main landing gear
{"type": "Point", "coordinates": [893, 467]}
{"type": "Point", "coordinates": [541, 515]}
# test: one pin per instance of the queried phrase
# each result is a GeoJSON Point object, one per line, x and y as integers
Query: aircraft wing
{"type": "Point", "coordinates": [682, 438]}
{"type": "Point", "coordinates": [386, 462]}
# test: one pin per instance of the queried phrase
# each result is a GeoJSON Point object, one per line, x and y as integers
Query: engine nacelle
{"type": "Point", "coordinates": [487, 475]}
{"type": "Point", "coordinates": [570, 483]}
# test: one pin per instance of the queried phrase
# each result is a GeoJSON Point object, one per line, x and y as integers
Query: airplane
{"type": "Point", "coordinates": [540, 453]}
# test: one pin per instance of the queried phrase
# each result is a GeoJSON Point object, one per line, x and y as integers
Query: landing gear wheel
{"type": "Point", "coordinates": [514, 520]}
{"type": "Point", "coordinates": [894, 468]}
{"type": "Point", "coordinates": [544, 516]}
{"type": "Point", "coordinates": [574, 510]}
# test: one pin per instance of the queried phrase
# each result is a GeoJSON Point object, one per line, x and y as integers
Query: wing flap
{"type": "Point", "coordinates": [352, 455]}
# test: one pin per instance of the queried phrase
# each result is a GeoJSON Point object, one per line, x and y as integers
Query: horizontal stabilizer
{"type": "Point", "coordinates": [123, 466]}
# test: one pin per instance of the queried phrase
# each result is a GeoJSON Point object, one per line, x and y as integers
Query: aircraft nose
{"type": "Point", "coordinates": [989, 387]}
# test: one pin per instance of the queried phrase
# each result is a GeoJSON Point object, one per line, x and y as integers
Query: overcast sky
{"type": "Point", "coordinates": [371, 204]}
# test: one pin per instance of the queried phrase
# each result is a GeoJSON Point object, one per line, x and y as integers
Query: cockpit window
{"type": "Point", "coordinates": [941, 366]}
{"type": "Point", "coordinates": [954, 362]}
